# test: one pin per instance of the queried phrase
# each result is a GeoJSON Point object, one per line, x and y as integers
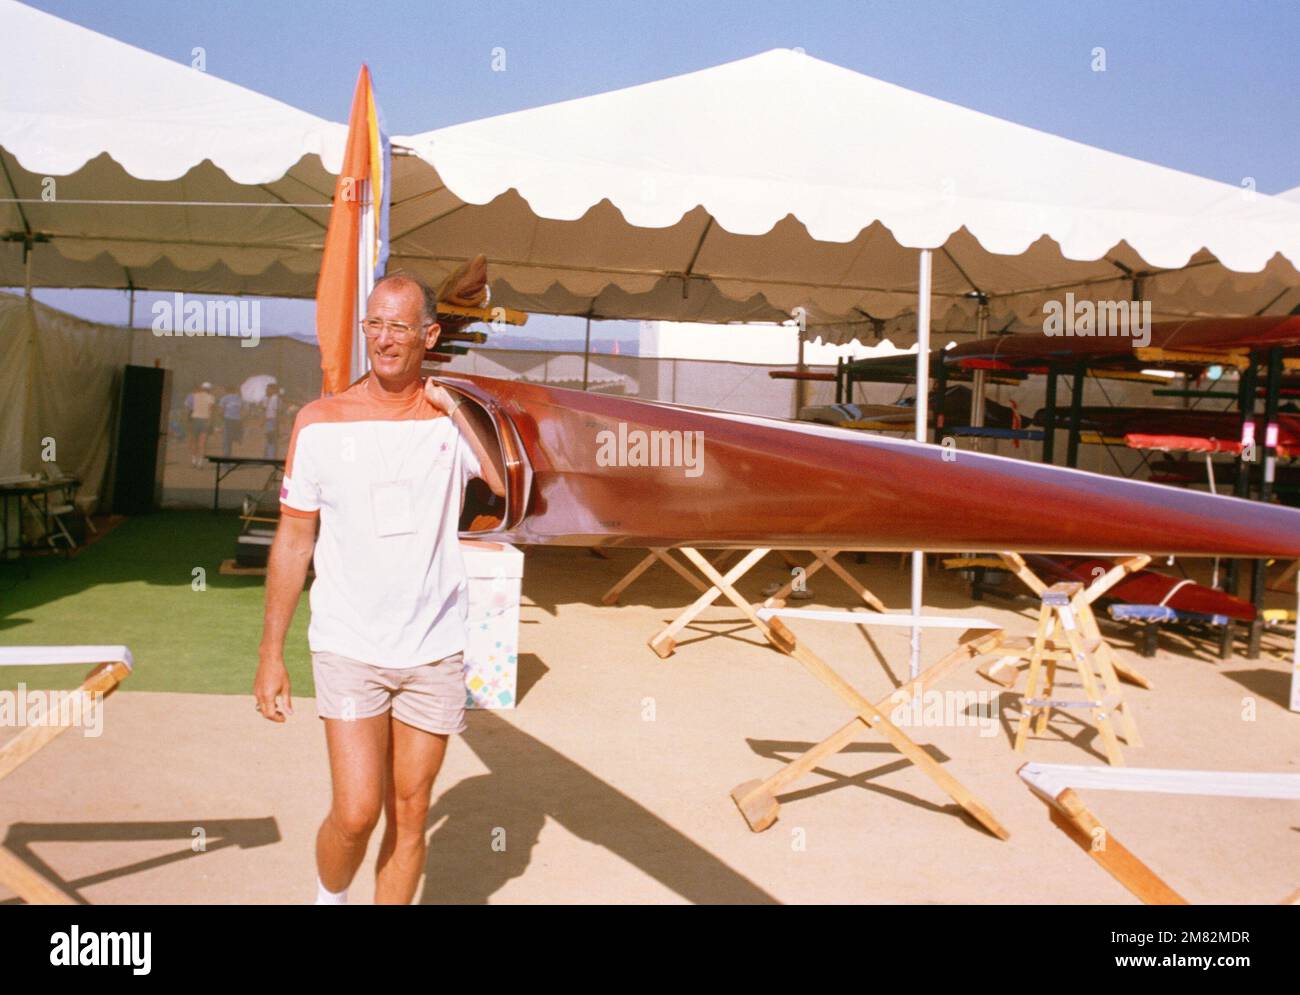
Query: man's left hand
{"type": "Point", "coordinates": [439, 396]}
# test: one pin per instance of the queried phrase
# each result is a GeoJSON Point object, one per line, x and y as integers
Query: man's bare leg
{"type": "Point", "coordinates": [415, 757]}
{"type": "Point", "coordinates": [358, 749]}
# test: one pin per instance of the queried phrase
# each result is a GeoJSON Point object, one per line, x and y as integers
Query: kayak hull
{"type": "Point", "coordinates": [590, 469]}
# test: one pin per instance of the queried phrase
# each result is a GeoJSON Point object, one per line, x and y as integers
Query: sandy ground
{"type": "Point", "coordinates": [610, 781]}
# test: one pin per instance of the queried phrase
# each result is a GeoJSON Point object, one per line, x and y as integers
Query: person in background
{"type": "Point", "coordinates": [217, 423]}
{"type": "Point", "coordinates": [291, 409]}
{"type": "Point", "coordinates": [185, 418]}
{"type": "Point", "coordinates": [201, 403]}
{"type": "Point", "coordinates": [231, 406]}
{"type": "Point", "coordinates": [272, 427]}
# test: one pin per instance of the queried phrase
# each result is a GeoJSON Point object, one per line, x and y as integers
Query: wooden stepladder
{"type": "Point", "coordinates": [1098, 589]}
{"type": "Point", "coordinates": [1064, 621]}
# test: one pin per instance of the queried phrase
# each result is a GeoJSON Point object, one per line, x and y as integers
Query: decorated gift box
{"type": "Point", "coordinates": [492, 654]}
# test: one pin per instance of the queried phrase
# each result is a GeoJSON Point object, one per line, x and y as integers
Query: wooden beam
{"type": "Point", "coordinates": [102, 680]}
{"type": "Point", "coordinates": [30, 885]}
{"type": "Point", "coordinates": [1096, 840]}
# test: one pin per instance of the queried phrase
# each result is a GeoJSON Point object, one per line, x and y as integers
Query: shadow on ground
{"type": "Point", "coordinates": [484, 828]}
{"type": "Point", "coordinates": [1273, 685]}
{"type": "Point", "coordinates": [217, 834]}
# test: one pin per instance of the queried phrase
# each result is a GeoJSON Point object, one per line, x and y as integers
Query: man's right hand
{"type": "Point", "coordinates": [286, 570]}
{"type": "Point", "coordinates": [271, 688]}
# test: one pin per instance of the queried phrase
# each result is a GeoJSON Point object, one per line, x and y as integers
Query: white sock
{"type": "Point", "coordinates": [326, 897]}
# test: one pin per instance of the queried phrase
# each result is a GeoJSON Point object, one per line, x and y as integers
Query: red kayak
{"type": "Point", "coordinates": [594, 469]}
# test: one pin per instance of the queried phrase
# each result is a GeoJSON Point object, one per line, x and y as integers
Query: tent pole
{"type": "Point", "coordinates": [1246, 384]}
{"type": "Point", "coordinates": [1268, 450]}
{"type": "Point", "coordinates": [1049, 418]}
{"type": "Point", "coordinates": [1076, 414]}
{"type": "Point", "coordinates": [922, 425]}
{"type": "Point", "coordinates": [923, 345]}
{"type": "Point", "coordinates": [586, 353]}
{"type": "Point", "coordinates": [940, 390]}
{"type": "Point", "coordinates": [978, 381]}
{"type": "Point", "coordinates": [800, 386]}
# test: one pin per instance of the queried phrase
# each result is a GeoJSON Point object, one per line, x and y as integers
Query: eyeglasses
{"type": "Point", "coordinates": [401, 332]}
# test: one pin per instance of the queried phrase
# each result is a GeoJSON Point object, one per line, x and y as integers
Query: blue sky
{"type": "Point", "coordinates": [1209, 88]}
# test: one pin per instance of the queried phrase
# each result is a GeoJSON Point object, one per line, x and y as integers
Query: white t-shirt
{"type": "Point", "coordinates": [387, 478]}
{"type": "Point", "coordinates": [203, 402]}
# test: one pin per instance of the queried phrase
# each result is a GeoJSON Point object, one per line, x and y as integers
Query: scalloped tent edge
{"type": "Point", "coordinates": [734, 168]}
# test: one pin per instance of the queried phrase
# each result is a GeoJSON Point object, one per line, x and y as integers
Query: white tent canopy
{"type": "Point", "coordinates": [810, 184]}
{"type": "Point", "coordinates": [742, 192]}
{"type": "Point", "coordinates": [109, 122]}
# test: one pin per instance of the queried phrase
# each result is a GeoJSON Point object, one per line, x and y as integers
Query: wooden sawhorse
{"type": "Point", "coordinates": [757, 799]}
{"type": "Point", "coordinates": [724, 585]}
{"type": "Point", "coordinates": [656, 554]}
{"type": "Point", "coordinates": [112, 666]}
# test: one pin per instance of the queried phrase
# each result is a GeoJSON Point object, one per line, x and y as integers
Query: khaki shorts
{"type": "Point", "coordinates": [429, 697]}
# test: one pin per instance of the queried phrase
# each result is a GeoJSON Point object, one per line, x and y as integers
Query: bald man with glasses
{"type": "Point", "coordinates": [380, 471]}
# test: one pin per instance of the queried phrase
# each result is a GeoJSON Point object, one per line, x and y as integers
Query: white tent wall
{"type": "Point", "coordinates": [227, 363]}
{"type": "Point", "coordinates": [59, 378]}
{"type": "Point", "coordinates": [15, 370]}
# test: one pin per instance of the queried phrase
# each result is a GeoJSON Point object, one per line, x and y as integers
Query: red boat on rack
{"type": "Point", "coordinates": [1145, 587]}
{"type": "Point", "coordinates": [1181, 428]}
{"type": "Point", "coordinates": [1192, 470]}
{"type": "Point", "coordinates": [1198, 341]}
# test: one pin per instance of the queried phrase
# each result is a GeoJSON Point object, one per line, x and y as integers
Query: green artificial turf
{"type": "Point", "coordinates": [136, 586]}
